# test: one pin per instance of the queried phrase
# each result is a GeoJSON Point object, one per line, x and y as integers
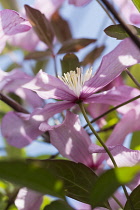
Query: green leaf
{"type": "Point", "coordinates": [61, 27]}
{"type": "Point", "coordinates": [69, 62]}
{"type": "Point", "coordinates": [135, 71]}
{"type": "Point", "coordinates": [135, 199]}
{"type": "Point", "coordinates": [110, 181]}
{"type": "Point", "coordinates": [33, 175]}
{"type": "Point", "coordinates": [41, 25]}
{"type": "Point", "coordinates": [116, 31]}
{"type": "Point", "coordinates": [93, 55]}
{"type": "Point", "coordinates": [59, 205]}
{"type": "Point", "coordinates": [137, 4]}
{"type": "Point", "coordinates": [135, 144]}
{"type": "Point", "coordinates": [74, 45]}
{"type": "Point", "coordinates": [12, 4]}
{"type": "Point", "coordinates": [78, 179]}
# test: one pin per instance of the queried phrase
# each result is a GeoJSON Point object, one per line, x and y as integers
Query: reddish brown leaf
{"type": "Point", "coordinates": [41, 25]}
{"type": "Point", "coordinates": [61, 27]}
{"type": "Point", "coordinates": [74, 45]}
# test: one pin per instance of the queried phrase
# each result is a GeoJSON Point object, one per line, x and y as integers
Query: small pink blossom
{"type": "Point", "coordinates": [10, 24]}
{"type": "Point", "coordinates": [79, 2]}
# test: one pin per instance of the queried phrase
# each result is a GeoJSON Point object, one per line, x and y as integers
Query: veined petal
{"type": "Point", "coordinates": [114, 96]}
{"type": "Point", "coordinates": [122, 155]}
{"type": "Point", "coordinates": [10, 24]}
{"type": "Point", "coordinates": [47, 86]}
{"type": "Point", "coordinates": [28, 199]}
{"type": "Point", "coordinates": [71, 140]}
{"type": "Point", "coordinates": [124, 55]}
{"type": "Point", "coordinates": [19, 129]}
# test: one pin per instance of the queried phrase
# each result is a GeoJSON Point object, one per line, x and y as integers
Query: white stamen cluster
{"type": "Point", "coordinates": [76, 79]}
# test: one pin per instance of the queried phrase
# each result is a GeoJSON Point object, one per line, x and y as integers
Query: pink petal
{"type": "Point", "coordinates": [19, 129]}
{"type": "Point", "coordinates": [12, 82]}
{"type": "Point", "coordinates": [122, 155]}
{"type": "Point", "coordinates": [79, 2]}
{"type": "Point", "coordinates": [47, 86]}
{"type": "Point", "coordinates": [124, 55]}
{"type": "Point", "coordinates": [71, 140]}
{"type": "Point", "coordinates": [10, 24]}
{"type": "Point", "coordinates": [28, 199]}
{"type": "Point", "coordinates": [49, 111]}
{"type": "Point", "coordinates": [114, 96]}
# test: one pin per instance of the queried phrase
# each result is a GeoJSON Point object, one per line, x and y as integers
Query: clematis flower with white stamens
{"type": "Point", "coordinates": [75, 87]}
{"type": "Point", "coordinates": [71, 89]}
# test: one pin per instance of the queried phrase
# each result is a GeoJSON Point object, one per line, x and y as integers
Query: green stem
{"type": "Point", "coordinates": [97, 136]}
{"type": "Point", "coordinates": [113, 109]}
{"type": "Point", "coordinates": [104, 146]}
{"type": "Point", "coordinates": [55, 66]}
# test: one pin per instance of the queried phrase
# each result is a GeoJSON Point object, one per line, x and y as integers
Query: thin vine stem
{"type": "Point", "coordinates": [113, 109]}
{"type": "Point", "coordinates": [97, 136]}
{"type": "Point", "coordinates": [117, 201]}
{"type": "Point", "coordinates": [105, 147]}
{"type": "Point", "coordinates": [106, 11]}
{"type": "Point", "coordinates": [133, 78]}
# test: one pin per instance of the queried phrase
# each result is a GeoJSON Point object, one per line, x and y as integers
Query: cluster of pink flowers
{"type": "Point", "coordinates": [99, 91]}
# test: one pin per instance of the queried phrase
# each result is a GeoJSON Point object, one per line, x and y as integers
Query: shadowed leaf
{"type": "Point", "coordinates": [74, 45]}
{"type": "Point", "coordinates": [59, 205]}
{"type": "Point", "coordinates": [93, 55]}
{"type": "Point", "coordinates": [61, 27]}
{"type": "Point", "coordinates": [69, 62]}
{"type": "Point", "coordinates": [41, 25]}
{"type": "Point", "coordinates": [38, 55]}
{"type": "Point", "coordinates": [135, 199]}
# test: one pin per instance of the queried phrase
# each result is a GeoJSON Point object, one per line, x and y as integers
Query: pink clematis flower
{"type": "Point", "coordinates": [28, 199]}
{"type": "Point", "coordinates": [74, 87]}
{"type": "Point", "coordinates": [10, 24]}
{"type": "Point", "coordinates": [47, 86]}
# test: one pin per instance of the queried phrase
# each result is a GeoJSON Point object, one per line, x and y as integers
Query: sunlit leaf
{"type": "Point", "coordinates": [135, 71]}
{"type": "Point", "coordinates": [59, 205]}
{"type": "Point", "coordinates": [93, 55]}
{"type": "Point", "coordinates": [41, 25]}
{"type": "Point", "coordinates": [69, 62]}
{"type": "Point", "coordinates": [61, 27]}
{"type": "Point", "coordinates": [110, 181]}
{"type": "Point", "coordinates": [137, 4]}
{"type": "Point", "coordinates": [74, 45]}
{"type": "Point", "coordinates": [116, 31]}
{"type": "Point", "coordinates": [135, 199]}
{"type": "Point", "coordinates": [135, 144]}
{"type": "Point", "coordinates": [12, 4]}
{"type": "Point", "coordinates": [32, 175]}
